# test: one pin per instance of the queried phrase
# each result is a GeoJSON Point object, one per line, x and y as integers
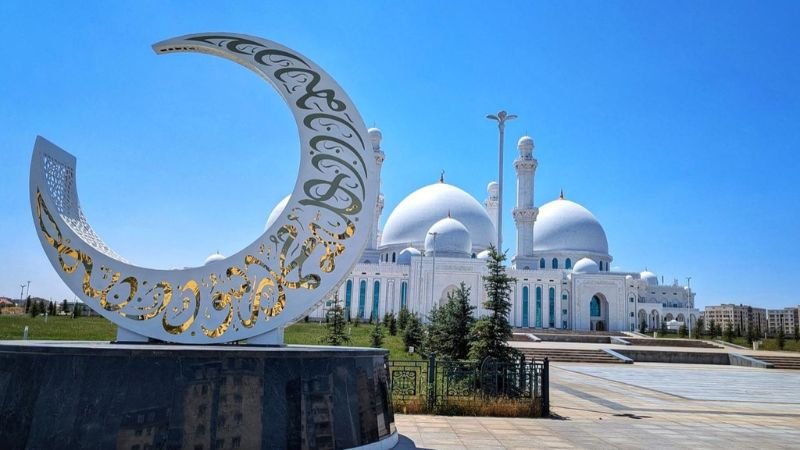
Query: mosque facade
{"type": "Point", "coordinates": [437, 237]}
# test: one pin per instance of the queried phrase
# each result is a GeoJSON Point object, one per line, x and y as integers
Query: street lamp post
{"type": "Point", "coordinates": [501, 118]}
{"type": "Point", "coordinates": [688, 302]}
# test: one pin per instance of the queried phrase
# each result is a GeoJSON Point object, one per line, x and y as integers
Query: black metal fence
{"type": "Point", "coordinates": [440, 385]}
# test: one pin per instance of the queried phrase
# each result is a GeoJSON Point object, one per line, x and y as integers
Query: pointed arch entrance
{"type": "Point", "coordinates": [598, 313]}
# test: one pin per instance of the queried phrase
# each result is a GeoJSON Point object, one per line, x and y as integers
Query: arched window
{"type": "Point", "coordinates": [403, 294]}
{"type": "Point", "coordinates": [376, 293]}
{"type": "Point", "coordinates": [348, 297]}
{"type": "Point", "coordinates": [541, 263]}
{"type": "Point", "coordinates": [600, 265]}
{"type": "Point", "coordinates": [552, 304]}
{"type": "Point", "coordinates": [525, 307]}
{"type": "Point", "coordinates": [568, 264]}
{"type": "Point", "coordinates": [555, 263]}
{"type": "Point", "coordinates": [394, 257]}
{"type": "Point", "coordinates": [594, 307]}
{"type": "Point", "coordinates": [362, 298]}
{"type": "Point", "coordinates": [539, 305]}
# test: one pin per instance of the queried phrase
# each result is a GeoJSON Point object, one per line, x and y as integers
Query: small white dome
{"type": "Point", "coordinates": [586, 265]}
{"type": "Point", "coordinates": [405, 255]}
{"type": "Point", "coordinates": [411, 219]}
{"type": "Point", "coordinates": [483, 255]}
{"type": "Point", "coordinates": [649, 277]}
{"type": "Point", "coordinates": [214, 257]}
{"type": "Point", "coordinates": [565, 226]}
{"type": "Point", "coordinates": [628, 277]}
{"type": "Point", "coordinates": [493, 187]}
{"type": "Point", "coordinates": [375, 137]}
{"type": "Point", "coordinates": [448, 237]}
{"type": "Point", "coordinates": [525, 143]}
{"type": "Point", "coordinates": [276, 212]}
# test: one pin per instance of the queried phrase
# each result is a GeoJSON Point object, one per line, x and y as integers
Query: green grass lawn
{"type": "Point", "coordinates": [57, 328]}
{"type": "Point", "coordinates": [100, 329]}
{"type": "Point", "coordinates": [790, 345]}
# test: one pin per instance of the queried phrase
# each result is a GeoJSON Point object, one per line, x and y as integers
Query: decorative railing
{"type": "Point", "coordinates": [435, 385]}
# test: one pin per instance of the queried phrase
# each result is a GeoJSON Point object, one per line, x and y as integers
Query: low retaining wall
{"type": "Point", "coordinates": [582, 338]}
{"type": "Point", "coordinates": [675, 357]}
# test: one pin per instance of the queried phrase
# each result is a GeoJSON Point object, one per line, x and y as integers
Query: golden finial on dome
{"type": "Point", "coordinates": [561, 196]}
{"type": "Point", "coordinates": [441, 177]}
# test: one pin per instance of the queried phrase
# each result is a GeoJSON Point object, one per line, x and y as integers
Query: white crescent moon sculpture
{"type": "Point", "coordinates": [255, 293]}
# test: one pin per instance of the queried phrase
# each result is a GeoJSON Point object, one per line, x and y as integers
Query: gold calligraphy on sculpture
{"type": "Point", "coordinates": [230, 299]}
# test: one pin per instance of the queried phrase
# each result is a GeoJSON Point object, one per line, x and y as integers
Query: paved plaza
{"type": "Point", "coordinates": [640, 406]}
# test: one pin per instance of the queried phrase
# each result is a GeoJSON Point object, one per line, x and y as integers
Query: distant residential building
{"type": "Point", "coordinates": [786, 317]}
{"type": "Point", "coordinates": [740, 317]}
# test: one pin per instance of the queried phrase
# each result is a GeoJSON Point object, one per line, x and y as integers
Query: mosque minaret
{"type": "Point", "coordinates": [525, 213]}
{"type": "Point", "coordinates": [562, 264]}
{"type": "Point", "coordinates": [371, 252]}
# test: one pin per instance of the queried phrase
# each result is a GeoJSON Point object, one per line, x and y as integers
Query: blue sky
{"type": "Point", "coordinates": [675, 123]}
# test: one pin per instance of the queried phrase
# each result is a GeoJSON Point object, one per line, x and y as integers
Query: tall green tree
{"type": "Point", "coordinates": [402, 318]}
{"type": "Point", "coordinates": [450, 326]}
{"type": "Point", "coordinates": [490, 334]}
{"type": "Point", "coordinates": [796, 332]}
{"type": "Point", "coordinates": [413, 335]}
{"type": "Point", "coordinates": [34, 309]}
{"type": "Point", "coordinates": [712, 328]}
{"type": "Point", "coordinates": [729, 333]}
{"type": "Point", "coordinates": [682, 330]}
{"type": "Point", "coordinates": [643, 326]}
{"type": "Point", "coordinates": [336, 325]}
{"type": "Point", "coordinates": [64, 306]}
{"type": "Point", "coordinates": [393, 326]}
{"type": "Point", "coordinates": [376, 337]}
{"type": "Point", "coordinates": [781, 337]}
{"type": "Point", "coordinates": [699, 329]}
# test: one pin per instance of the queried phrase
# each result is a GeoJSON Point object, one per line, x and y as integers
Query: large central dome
{"type": "Point", "coordinates": [565, 226]}
{"type": "Point", "coordinates": [409, 222]}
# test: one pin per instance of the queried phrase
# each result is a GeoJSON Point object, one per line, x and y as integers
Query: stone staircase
{"type": "Point", "coordinates": [780, 362]}
{"type": "Point", "coordinates": [570, 355]}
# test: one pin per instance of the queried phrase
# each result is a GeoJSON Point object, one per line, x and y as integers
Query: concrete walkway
{"type": "Point", "coordinates": [639, 406]}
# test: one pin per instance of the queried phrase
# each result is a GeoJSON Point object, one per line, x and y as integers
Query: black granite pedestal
{"type": "Point", "coordinates": [82, 395]}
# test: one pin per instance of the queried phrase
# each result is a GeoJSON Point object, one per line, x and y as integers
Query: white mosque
{"type": "Point", "coordinates": [437, 237]}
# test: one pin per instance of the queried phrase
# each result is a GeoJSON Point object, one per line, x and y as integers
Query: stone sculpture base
{"type": "Point", "coordinates": [99, 395]}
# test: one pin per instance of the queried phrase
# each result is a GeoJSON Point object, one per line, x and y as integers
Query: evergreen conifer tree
{"type": "Point", "coordinates": [796, 332]}
{"type": "Point", "coordinates": [27, 304]}
{"type": "Point", "coordinates": [781, 337]}
{"type": "Point", "coordinates": [664, 327]}
{"type": "Point", "coordinates": [490, 334]}
{"type": "Point", "coordinates": [412, 337]}
{"type": "Point", "coordinates": [376, 337]}
{"type": "Point", "coordinates": [699, 329]}
{"type": "Point", "coordinates": [402, 318]}
{"type": "Point", "coordinates": [729, 333]}
{"type": "Point", "coordinates": [393, 326]}
{"type": "Point", "coordinates": [336, 325]}
{"type": "Point", "coordinates": [643, 326]}
{"type": "Point", "coordinates": [682, 330]}
{"type": "Point", "coordinates": [450, 326]}
{"type": "Point", "coordinates": [64, 306]}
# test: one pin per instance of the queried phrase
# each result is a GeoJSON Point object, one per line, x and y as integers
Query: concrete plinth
{"type": "Point", "coordinates": [100, 395]}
